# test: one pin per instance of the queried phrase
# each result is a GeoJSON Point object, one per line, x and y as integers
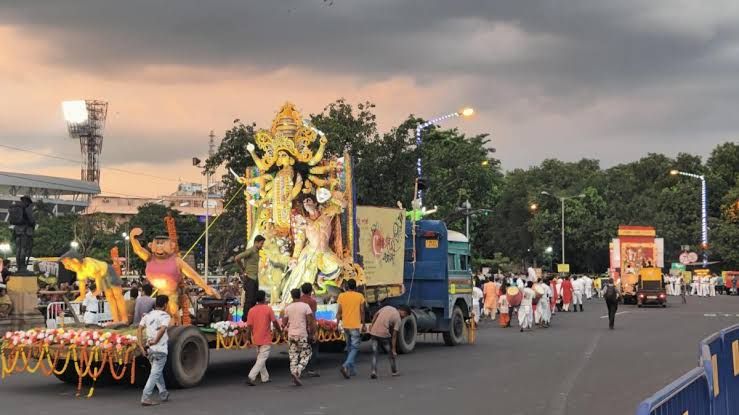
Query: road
{"type": "Point", "coordinates": [577, 366]}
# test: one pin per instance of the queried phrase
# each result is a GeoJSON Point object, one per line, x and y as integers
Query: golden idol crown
{"type": "Point", "coordinates": [287, 134]}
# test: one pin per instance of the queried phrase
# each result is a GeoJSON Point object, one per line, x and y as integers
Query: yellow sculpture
{"type": "Point", "coordinates": [285, 144]}
{"type": "Point", "coordinates": [106, 280]}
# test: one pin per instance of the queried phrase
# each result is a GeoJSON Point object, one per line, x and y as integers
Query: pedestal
{"type": "Point", "coordinates": [23, 292]}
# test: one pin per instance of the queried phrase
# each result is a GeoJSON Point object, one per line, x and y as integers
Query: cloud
{"type": "Point", "coordinates": [567, 79]}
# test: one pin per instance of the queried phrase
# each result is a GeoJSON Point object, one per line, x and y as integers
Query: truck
{"type": "Point", "coordinates": [650, 288]}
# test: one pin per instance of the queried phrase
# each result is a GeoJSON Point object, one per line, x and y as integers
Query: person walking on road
{"type": "Point", "coordinates": [567, 292]}
{"type": "Point", "coordinates": [503, 307]}
{"type": "Point", "coordinates": [611, 295]}
{"type": "Point", "coordinates": [384, 334]}
{"type": "Point", "coordinates": [350, 313]}
{"type": "Point", "coordinates": [682, 290]}
{"type": "Point", "coordinates": [578, 289]}
{"type": "Point", "coordinates": [490, 292]}
{"type": "Point", "coordinates": [248, 263]}
{"type": "Point", "coordinates": [155, 324]}
{"type": "Point", "coordinates": [258, 323]}
{"type": "Point", "coordinates": [525, 310]}
{"type": "Point", "coordinates": [312, 369]}
{"type": "Point", "coordinates": [298, 319]}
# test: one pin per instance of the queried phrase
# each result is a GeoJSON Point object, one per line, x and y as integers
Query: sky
{"type": "Point", "coordinates": [567, 79]}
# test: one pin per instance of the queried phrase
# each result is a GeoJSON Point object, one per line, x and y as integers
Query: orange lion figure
{"type": "Point", "coordinates": [165, 270]}
{"type": "Point", "coordinates": [106, 280]}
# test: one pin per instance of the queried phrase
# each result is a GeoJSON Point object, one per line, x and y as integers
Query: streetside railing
{"type": "Point", "coordinates": [712, 388]}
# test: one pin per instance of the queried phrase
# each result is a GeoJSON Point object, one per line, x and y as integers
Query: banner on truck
{"type": "Point", "coordinates": [381, 244]}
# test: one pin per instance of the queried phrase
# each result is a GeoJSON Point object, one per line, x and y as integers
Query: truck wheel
{"type": "Point", "coordinates": [188, 357]}
{"type": "Point", "coordinates": [407, 335]}
{"type": "Point", "coordinates": [455, 335]}
{"type": "Point", "coordinates": [69, 375]}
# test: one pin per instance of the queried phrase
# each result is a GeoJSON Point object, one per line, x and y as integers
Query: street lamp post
{"type": "Point", "coordinates": [562, 201]}
{"type": "Point", "coordinates": [465, 112]}
{"type": "Point", "coordinates": [704, 210]}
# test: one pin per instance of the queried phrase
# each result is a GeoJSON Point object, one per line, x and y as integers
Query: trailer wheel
{"type": "Point", "coordinates": [188, 357]}
{"type": "Point", "coordinates": [455, 335]}
{"type": "Point", "coordinates": [407, 335]}
{"type": "Point", "coordinates": [69, 375]}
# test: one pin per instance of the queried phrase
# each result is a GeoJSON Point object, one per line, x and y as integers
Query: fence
{"type": "Point", "coordinates": [58, 314]}
{"type": "Point", "coordinates": [707, 388]}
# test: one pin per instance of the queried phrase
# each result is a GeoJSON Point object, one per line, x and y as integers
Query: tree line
{"type": "Point", "coordinates": [505, 232]}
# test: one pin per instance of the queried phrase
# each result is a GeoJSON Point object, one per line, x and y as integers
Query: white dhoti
{"type": "Point", "coordinates": [577, 297]}
{"type": "Point", "coordinates": [543, 314]}
{"type": "Point", "coordinates": [525, 317]}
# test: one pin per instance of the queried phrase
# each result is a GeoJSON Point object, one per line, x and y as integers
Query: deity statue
{"type": "Point", "coordinates": [313, 260]}
{"type": "Point", "coordinates": [106, 280]}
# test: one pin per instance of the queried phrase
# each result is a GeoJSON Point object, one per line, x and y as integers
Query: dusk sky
{"type": "Point", "coordinates": [612, 80]}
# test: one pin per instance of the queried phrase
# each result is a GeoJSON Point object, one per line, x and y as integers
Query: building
{"type": "Point", "coordinates": [189, 199]}
{"type": "Point", "coordinates": [60, 194]}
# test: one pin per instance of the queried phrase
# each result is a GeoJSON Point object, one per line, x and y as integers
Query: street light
{"type": "Point", "coordinates": [533, 206]}
{"type": "Point", "coordinates": [464, 112]}
{"type": "Point", "coordinates": [704, 210]}
{"type": "Point", "coordinates": [127, 238]}
{"type": "Point", "coordinates": [562, 200]}
{"type": "Point", "coordinates": [5, 248]}
{"type": "Point", "coordinates": [74, 245]}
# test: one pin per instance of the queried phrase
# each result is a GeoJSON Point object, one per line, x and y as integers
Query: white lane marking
{"type": "Point", "coordinates": [709, 315]}
{"type": "Point", "coordinates": [618, 314]}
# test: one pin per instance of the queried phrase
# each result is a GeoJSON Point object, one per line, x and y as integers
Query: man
{"type": "Point", "coordinates": [155, 348]}
{"type": "Point", "coordinates": [20, 215]}
{"type": "Point", "coordinates": [350, 313]}
{"type": "Point", "coordinates": [312, 368]}
{"type": "Point", "coordinates": [143, 304]}
{"type": "Point", "coordinates": [299, 321]}
{"type": "Point", "coordinates": [525, 310]}
{"type": "Point", "coordinates": [384, 332]}
{"type": "Point", "coordinates": [131, 303]}
{"type": "Point", "coordinates": [258, 323]}
{"type": "Point", "coordinates": [91, 306]}
{"type": "Point", "coordinates": [611, 295]}
{"type": "Point", "coordinates": [6, 305]}
{"type": "Point", "coordinates": [566, 292]}
{"type": "Point", "coordinates": [490, 293]}
{"type": "Point", "coordinates": [248, 263]}
{"type": "Point", "coordinates": [542, 313]}
{"type": "Point", "coordinates": [477, 296]}
{"type": "Point", "coordinates": [578, 289]}
{"type": "Point", "coordinates": [681, 283]}
{"type": "Point", "coordinates": [5, 273]}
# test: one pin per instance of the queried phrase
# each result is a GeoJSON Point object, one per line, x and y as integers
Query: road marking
{"type": "Point", "coordinates": [709, 315]}
{"type": "Point", "coordinates": [559, 402]}
{"type": "Point", "coordinates": [618, 314]}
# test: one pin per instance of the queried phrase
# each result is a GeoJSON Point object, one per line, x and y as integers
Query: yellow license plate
{"type": "Point", "coordinates": [432, 243]}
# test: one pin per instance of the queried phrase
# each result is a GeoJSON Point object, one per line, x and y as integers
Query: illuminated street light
{"type": "Point", "coordinates": [534, 206]}
{"type": "Point", "coordinates": [5, 247]}
{"type": "Point", "coordinates": [485, 162]}
{"type": "Point", "coordinates": [75, 112]}
{"type": "Point", "coordinates": [704, 210]}
{"type": "Point", "coordinates": [74, 244]}
{"type": "Point", "coordinates": [464, 112]}
{"type": "Point", "coordinates": [549, 250]}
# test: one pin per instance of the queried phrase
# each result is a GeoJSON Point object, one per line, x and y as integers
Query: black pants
{"type": "Point", "coordinates": [385, 343]}
{"type": "Point", "coordinates": [612, 308]}
{"type": "Point", "coordinates": [251, 286]}
{"type": "Point", "coordinates": [313, 362]}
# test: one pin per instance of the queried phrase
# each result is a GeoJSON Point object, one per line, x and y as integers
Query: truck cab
{"type": "Point", "coordinates": [437, 284]}
{"type": "Point", "coordinates": [650, 288]}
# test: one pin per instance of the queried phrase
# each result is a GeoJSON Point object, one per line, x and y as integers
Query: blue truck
{"type": "Point", "coordinates": [437, 285]}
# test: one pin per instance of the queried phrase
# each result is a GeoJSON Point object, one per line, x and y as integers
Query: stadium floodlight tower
{"type": "Point", "coordinates": [86, 121]}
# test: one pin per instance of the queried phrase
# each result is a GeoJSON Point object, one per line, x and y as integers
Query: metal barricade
{"type": "Point", "coordinates": [729, 369]}
{"type": "Point", "coordinates": [58, 314]}
{"type": "Point", "coordinates": [687, 395]}
{"type": "Point", "coordinates": [711, 352]}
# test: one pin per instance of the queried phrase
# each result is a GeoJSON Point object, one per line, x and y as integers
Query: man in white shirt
{"type": "Point", "coordinates": [578, 288]}
{"type": "Point", "coordinates": [91, 307]}
{"type": "Point", "coordinates": [588, 287]}
{"type": "Point", "coordinates": [526, 310]}
{"type": "Point", "coordinates": [154, 345]}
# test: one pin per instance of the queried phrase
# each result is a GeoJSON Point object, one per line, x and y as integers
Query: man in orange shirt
{"type": "Point", "coordinates": [490, 292]}
{"type": "Point", "coordinates": [258, 323]}
{"type": "Point", "coordinates": [351, 314]}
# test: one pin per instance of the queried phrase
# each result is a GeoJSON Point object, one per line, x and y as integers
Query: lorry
{"type": "Point", "coordinates": [650, 288]}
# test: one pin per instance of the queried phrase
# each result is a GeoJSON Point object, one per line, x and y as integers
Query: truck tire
{"type": "Point", "coordinates": [188, 357]}
{"type": "Point", "coordinates": [456, 333]}
{"type": "Point", "coordinates": [407, 335]}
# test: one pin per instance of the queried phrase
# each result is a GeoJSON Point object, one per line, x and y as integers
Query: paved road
{"type": "Point", "coordinates": [575, 367]}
